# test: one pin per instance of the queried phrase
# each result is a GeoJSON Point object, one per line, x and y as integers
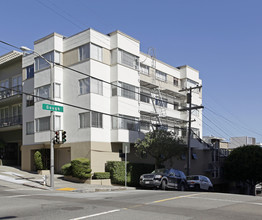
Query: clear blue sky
{"type": "Point", "coordinates": [220, 38]}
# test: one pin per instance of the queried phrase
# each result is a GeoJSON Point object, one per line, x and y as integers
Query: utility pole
{"type": "Point", "coordinates": [189, 109]}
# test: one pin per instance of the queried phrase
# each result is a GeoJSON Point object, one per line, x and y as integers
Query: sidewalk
{"type": "Point", "coordinates": [34, 180]}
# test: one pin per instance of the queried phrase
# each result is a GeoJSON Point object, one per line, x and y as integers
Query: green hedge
{"type": "Point", "coordinates": [67, 169]}
{"type": "Point", "coordinates": [134, 171]}
{"type": "Point", "coordinates": [81, 168]}
{"type": "Point", "coordinates": [101, 175]}
{"type": "Point", "coordinates": [38, 160]}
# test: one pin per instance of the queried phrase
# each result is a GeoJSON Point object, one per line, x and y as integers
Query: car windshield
{"type": "Point", "coordinates": [160, 171]}
{"type": "Point", "coordinates": [192, 178]}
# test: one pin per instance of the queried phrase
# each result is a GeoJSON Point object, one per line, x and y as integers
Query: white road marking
{"type": "Point", "coordinates": [12, 179]}
{"type": "Point", "coordinates": [94, 215]}
{"type": "Point", "coordinates": [16, 196]}
{"type": "Point", "coordinates": [12, 173]}
{"type": "Point", "coordinates": [226, 200]}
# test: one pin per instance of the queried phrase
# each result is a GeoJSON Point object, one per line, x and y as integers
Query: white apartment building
{"type": "Point", "coordinates": [114, 91]}
{"type": "Point", "coordinates": [235, 142]}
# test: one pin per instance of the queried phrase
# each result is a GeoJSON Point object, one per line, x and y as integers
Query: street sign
{"type": "Point", "coordinates": [126, 148]}
{"type": "Point", "coordinates": [55, 108]}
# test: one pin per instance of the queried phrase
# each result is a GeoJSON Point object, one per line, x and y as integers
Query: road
{"type": "Point", "coordinates": [28, 203]}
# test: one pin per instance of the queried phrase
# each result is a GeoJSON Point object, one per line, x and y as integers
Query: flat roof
{"type": "Point", "coordinates": [9, 56]}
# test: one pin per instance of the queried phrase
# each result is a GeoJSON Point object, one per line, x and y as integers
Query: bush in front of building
{"type": "Point", "coordinates": [134, 171]}
{"type": "Point", "coordinates": [66, 169]}
{"type": "Point", "coordinates": [38, 160]}
{"type": "Point", "coordinates": [101, 175]}
{"type": "Point", "coordinates": [81, 168]}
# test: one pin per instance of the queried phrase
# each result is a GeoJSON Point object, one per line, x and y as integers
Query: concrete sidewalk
{"type": "Point", "coordinates": [34, 180]}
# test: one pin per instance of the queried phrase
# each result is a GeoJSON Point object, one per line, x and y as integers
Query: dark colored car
{"type": "Point", "coordinates": [164, 179]}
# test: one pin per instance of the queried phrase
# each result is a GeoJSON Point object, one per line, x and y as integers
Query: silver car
{"type": "Point", "coordinates": [198, 182]}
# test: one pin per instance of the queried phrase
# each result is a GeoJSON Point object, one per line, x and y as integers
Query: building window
{"type": "Point", "coordinates": [96, 52]}
{"type": "Point", "coordinates": [144, 97]}
{"type": "Point", "coordinates": [4, 91]}
{"type": "Point", "coordinates": [87, 83]}
{"type": "Point", "coordinates": [125, 122]}
{"type": "Point", "coordinates": [175, 81]}
{"type": "Point", "coordinates": [84, 120]}
{"type": "Point", "coordinates": [42, 124]}
{"type": "Point", "coordinates": [144, 69]}
{"type": "Point", "coordinates": [57, 124]}
{"type": "Point", "coordinates": [176, 105]}
{"type": "Point", "coordinates": [144, 125]}
{"type": "Point", "coordinates": [125, 90]}
{"type": "Point", "coordinates": [195, 112]}
{"type": "Point", "coordinates": [29, 100]}
{"type": "Point", "coordinates": [57, 90]}
{"type": "Point", "coordinates": [161, 76]}
{"type": "Point", "coordinates": [29, 128]}
{"type": "Point", "coordinates": [162, 103]}
{"type": "Point", "coordinates": [96, 120]}
{"type": "Point", "coordinates": [17, 85]}
{"type": "Point", "coordinates": [41, 63]}
{"type": "Point", "coordinates": [176, 131]}
{"type": "Point", "coordinates": [30, 72]}
{"type": "Point", "coordinates": [43, 91]}
{"type": "Point", "coordinates": [84, 52]}
{"type": "Point", "coordinates": [127, 59]}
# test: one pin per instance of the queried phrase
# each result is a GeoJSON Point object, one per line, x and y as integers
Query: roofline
{"type": "Point", "coordinates": [186, 66]}
{"type": "Point", "coordinates": [147, 55]}
{"type": "Point", "coordinates": [48, 36]}
{"type": "Point", "coordinates": [16, 53]}
{"type": "Point", "coordinates": [126, 35]}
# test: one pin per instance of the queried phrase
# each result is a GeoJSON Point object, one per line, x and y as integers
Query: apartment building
{"type": "Point", "coordinates": [10, 107]}
{"type": "Point", "coordinates": [111, 93]}
{"type": "Point", "coordinates": [235, 142]}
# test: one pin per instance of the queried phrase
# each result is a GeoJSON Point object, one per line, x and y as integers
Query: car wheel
{"type": "Point", "coordinates": [197, 187]}
{"type": "Point", "coordinates": [210, 189]}
{"type": "Point", "coordinates": [182, 187]}
{"type": "Point", "coordinates": [163, 185]}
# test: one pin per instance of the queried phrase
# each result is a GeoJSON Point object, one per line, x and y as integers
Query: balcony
{"type": "Point", "coordinates": [8, 122]}
{"type": "Point", "coordinates": [10, 96]}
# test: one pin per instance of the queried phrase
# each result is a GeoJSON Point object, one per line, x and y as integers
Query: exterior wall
{"type": "Point", "coordinates": [241, 141]}
{"type": "Point", "coordinates": [98, 144]}
{"type": "Point", "coordinates": [10, 103]}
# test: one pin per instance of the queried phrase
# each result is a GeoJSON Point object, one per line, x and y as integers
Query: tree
{"type": "Point", "coordinates": [245, 164]}
{"type": "Point", "coordinates": [38, 160]}
{"type": "Point", "coordinates": [160, 144]}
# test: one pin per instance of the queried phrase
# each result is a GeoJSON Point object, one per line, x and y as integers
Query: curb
{"type": "Point", "coordinates": [35, 186]}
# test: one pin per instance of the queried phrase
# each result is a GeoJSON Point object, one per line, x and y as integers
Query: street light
{"type": "Point", "coordinates": [24, 49]}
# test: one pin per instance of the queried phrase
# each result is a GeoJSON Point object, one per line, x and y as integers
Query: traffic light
{"type": "Point", "coordinates": [63, 136]}
{"type": "Point", "coordinates": [57, 137]}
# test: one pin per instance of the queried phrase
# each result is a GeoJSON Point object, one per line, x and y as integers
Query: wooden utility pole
{"type": "Point", "coordinates": [190, 108]}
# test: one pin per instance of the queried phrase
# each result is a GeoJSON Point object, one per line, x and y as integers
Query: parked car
{"type": "Point", "coordinates": [259, 188]}
{"type": "Point", "coordinates": [198, 182]}
{"type": "Point", "coordinates": [164, 179]}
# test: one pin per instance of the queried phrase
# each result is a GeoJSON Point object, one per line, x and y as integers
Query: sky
{"type": "Point", "coordinates": [220, 38]}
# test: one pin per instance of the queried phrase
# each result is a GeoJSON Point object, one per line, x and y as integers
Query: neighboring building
{"type": "Point", "coordinates": [235, 142]}
{"type": "Point", "coordinates": [118, 93]}
{"type": "Point", "coordinates": [10, 107]}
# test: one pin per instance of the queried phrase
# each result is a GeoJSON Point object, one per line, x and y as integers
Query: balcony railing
{"type": "Point", "coordinates": [16, 90]}
{"type": "Point", "coordinates": [11, 121]}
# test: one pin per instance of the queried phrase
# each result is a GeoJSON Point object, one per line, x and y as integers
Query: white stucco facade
{"type": "Point", "coordinates": [101, 76]}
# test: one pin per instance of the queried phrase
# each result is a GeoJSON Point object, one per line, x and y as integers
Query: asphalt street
{"type": "Point", "coordinates": [32, 203]}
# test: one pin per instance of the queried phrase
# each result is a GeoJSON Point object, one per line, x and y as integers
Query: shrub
{"type": "Point", "coordinates": [101, 175]}
{"type": "Point", "coordinates": [66, 169]}
{"type": "Point", "coordinates": [81, 168]}
{"type": "Point", "coordinates": [38, 160]}
{"type": "Point", "coordinates": [134, 171]}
